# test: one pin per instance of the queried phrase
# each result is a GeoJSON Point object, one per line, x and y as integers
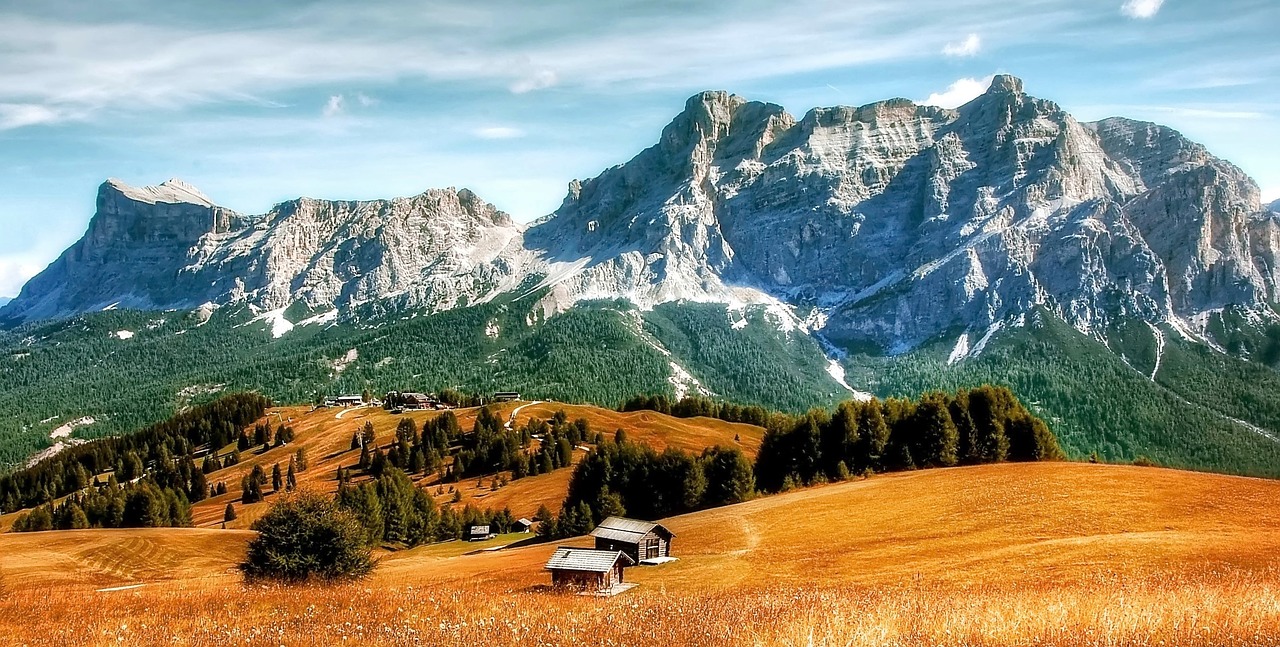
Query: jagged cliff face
{"type": "Point", "coordinates": [891, 223]}
{"type": "Point", "coordinates": [897, 223]}
{"type": "Point", "coordinates": [170, 247]}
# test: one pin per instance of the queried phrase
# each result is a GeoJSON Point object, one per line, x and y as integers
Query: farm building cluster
{"type": "Point", "coordinates": [619, 544]}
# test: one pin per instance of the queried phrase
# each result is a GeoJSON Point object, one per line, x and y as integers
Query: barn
{"type": "Point", "coordinates": [588, 569]}
{"type": "Point", "coordinates": [522, 525]}
{"type": "Point", "coordinates": [645, 542]}
{"type": "Point", "coordinates": [478, 533]}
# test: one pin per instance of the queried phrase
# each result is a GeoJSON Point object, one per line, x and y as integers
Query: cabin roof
{"type": "Point", "coordinates": [479, 530]}
{"type": "Point", "coordinates": [587, 560]}
{"type": "Point", "coordinates": [627, 530]}
{"type": "Point", "coordinates": [524, 521]}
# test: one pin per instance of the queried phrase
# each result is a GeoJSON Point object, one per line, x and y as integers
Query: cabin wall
{"type": "Point", "coordinates": [581, 580]}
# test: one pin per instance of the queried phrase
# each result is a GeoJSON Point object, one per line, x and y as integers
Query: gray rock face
{"type": "Point", "coordinates": [891, 223]}
{"type": "Point", "coordinates": [169, 247]}
{"type": "Point", "coordinates": [895, 223]}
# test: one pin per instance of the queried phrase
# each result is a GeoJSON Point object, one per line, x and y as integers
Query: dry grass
{"type": "Point", "coordinates": [327, 439]}
{"type": "Point", "coordinates": [1212, 609]}
{"type": "Point", "coordinates": [1037, 554]}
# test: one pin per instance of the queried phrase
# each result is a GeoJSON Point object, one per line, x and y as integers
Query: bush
{"type": "Point", "coordinates": [306, 535]}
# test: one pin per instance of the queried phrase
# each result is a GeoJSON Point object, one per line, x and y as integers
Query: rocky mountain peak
{"type": "Point", "coordinates": [1274, 206]}
{"type": "Point", "coordinates": [172, 191]}
{"type": "Point", "coordinates": [890, 223]}
{"type": "Point", "coordinates": [1005, 84]}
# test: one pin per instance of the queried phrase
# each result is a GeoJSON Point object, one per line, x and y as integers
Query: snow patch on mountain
{"type": "Point", "coordinates": [123, 334]}
{"type": "Point", "coordinates": [961, 349]}
{"type": "Point", "coordinates": [327, 318]}
{"type": "Point", "coordinates": [280, 326]}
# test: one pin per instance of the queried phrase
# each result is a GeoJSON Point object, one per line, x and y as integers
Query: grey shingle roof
{"type": "Point", "coordinates": [627, 530]}
{"type": "Point", "coordinates": [587, 560]}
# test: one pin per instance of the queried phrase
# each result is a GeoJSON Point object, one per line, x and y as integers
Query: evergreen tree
{"type": "Point", "coordinates": [229, 514]}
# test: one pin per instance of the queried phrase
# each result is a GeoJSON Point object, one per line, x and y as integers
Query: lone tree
{"type": "Point", "coordinates": [306, 535]}
{"type": "Point", "coordinates": [229, 514]}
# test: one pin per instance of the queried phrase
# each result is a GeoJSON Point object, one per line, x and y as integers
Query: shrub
{"type": "Point", "coordinates": [306, 535]}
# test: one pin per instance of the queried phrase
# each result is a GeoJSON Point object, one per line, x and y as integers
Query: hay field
{"type": "Point", "coordinates": [1026, 554]}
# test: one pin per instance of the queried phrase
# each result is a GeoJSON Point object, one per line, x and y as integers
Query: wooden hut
{"type": "Point", "coordinates": [642, 541]}
{"type": "Point", "coordinates": [522, 525]}
{"type": "Point", "coordinates": [478, 533]}
{"type": "Point", "coordinates": [588, 569]}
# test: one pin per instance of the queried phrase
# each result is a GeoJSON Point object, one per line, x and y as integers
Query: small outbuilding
{"type": "Point", "coordinates": [478, 533]}
{"type": "Point", "coordinates": [589, 570]}
{"type": "Point", "coordinates": [350, 400]}
{"type": "Point", "coordinates": [522, 525]}
{"type": "Point", "coordinates": [506, 396]}
{"type": "Point", "coordinates": [645, 542]}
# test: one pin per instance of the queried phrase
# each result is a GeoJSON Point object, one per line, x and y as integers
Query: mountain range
{"type": "Point", "coordinates": [871, 250]}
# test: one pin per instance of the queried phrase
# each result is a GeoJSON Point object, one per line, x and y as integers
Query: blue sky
{"type": "Point", "coordinates": [261, 102]}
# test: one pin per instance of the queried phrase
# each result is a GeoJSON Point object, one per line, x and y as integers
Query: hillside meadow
{"type": "Point", "coordinates": [1012, 554]}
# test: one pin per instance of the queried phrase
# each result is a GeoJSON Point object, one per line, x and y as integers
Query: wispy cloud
{"type": "Point", "coordinates": [336, 105]}
{"type": "Point", "coordinates": [17, 115]}
{"type": "Point", "coordinates": [959, 93]}
{"type": "Point", "coordinates": [970, 46]}
{"type": "Point", "coordinates": [499, 132]}
{"type": "Point", "coordinates": [59, 68]}
{"type": "Point", "coordinates": [1141, 9]}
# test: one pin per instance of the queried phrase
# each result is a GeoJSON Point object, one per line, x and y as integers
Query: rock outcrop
{"type": "Point", "coordinates": [891, 223]}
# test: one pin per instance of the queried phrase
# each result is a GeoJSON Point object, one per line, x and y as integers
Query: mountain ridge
{"type": "Point", "coordinates": [1002, 204]}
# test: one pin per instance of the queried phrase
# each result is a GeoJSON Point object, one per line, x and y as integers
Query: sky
{"type": "Point", "coordinates": [256, 103]}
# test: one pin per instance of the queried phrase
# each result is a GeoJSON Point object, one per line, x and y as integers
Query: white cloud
{"type": "Point", "coordinates": [131, 61]}
{"type": "Point", "coordinates": [499, 132]}
{"type": "Point", "coordinates": [365, 100]}
{"type": "Point", "coordinates": [959, 93]}
{"type": "Point", "coordinates": [970, 46]}
{"type": "Point", "coordinates": [1141, 9]}
{"type": "Point", "coordinates": [538, 80]}
{"type": "Point", "coordinates": [336, 105]}
{"type": "Point", "coordinates": [17, 269]}
{"type": "Point", "coordinates": [17, 115]}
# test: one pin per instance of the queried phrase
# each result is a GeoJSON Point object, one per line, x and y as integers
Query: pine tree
{"type": "Point", "coordinates": [199, 486]}
{"type": "Point", "coordinates": [277, 479]}
{"type": "Point", "coordinates": [291, 480]}
{"type": "Point", "coordinates": [229, 514]}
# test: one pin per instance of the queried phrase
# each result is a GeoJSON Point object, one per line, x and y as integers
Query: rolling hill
{"type": "Point", "coordinates": [325, 434]}
{"type": "Point", "coordinates": [1049, 553]}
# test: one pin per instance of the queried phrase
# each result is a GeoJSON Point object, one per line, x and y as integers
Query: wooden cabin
{"type": "Point", "coordinates": [522, 525]}
{"type": "Point", "coordinates": [640, 540]}
{"type": "Point", "coordinates": [416, 401]}
{"type": "Point", "coordinates": [506, 396]}
{"type": "Point", "coordinates": [587, 569]}
{"type": "Point", "coordinates": [350, 400]}
{"type": "Point", "coordinates": [478, 533]}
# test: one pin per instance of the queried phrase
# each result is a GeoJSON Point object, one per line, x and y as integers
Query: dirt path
{"type": "Point", "coordinates": [514, 412]}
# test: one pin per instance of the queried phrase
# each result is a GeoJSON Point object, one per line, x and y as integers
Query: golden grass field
{"type": "Point", "coordinates": [1017, 554]}
{"type": "Point", "coordinates": [327, 440]}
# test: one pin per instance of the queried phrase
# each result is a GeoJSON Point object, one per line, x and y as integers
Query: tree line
{"type": "Point", "coordinates": [983, 425]}
{"type": "Point", "coordinates": [621, 477]}
{"type": "Point", "coordinates": [698, 406]}
{"type": "Point", "coordinates": [163, 447]}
